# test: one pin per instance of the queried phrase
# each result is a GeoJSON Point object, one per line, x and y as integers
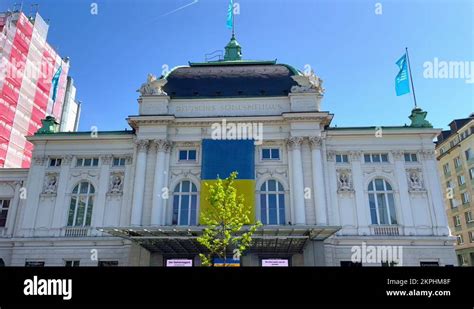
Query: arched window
{"type": "Point", "coordinates": [382, 205]}
{"type": "Point", "coordinates": [82, 201]}
{"type": "Point", "coordinates": [272, 202]}
{"type": "Point", "coordinates": [185, 203]}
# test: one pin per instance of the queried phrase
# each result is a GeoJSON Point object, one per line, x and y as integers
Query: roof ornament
{"type": "Point", "coordinates": [418, 118]}
{"type": "Point", "coordinates": [153, 86]}
{"type": "Point", "coordinates": [308, 83]}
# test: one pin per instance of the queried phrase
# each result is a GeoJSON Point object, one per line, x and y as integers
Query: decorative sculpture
{"type": "Point", "coordinates": [153, 86]}
{"type": "Point", "coordinates": [308, 83]}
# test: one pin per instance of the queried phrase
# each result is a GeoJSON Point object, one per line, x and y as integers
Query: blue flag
{"type": "Point", "coordinates": [55, 82]}
{"type": "Point", "coordinates": [230, 14]}
{"type": "Point", "coordinates": [401, 81]}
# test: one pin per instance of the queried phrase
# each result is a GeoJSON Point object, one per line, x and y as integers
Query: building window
{"type": "Point", "coordinates": [469, 154]}
{"type": "Point", "coordinates": [71, 263]}
{"type": "Point", "coordinates": [270, 154]}
{"type": "Point", "coordinates": [87, 162]}
{"type": "Point", "coordinates": [187, 155]}
{"type": "Point", "coordinates": [118, 162]}
{"type": "Point", "coordinates": [185, 204]}
{"type": "Point", "coordinates": [465, 197]}
{"type": "Point", "coordinates": [451, 203]}
{"type": "Point", "coordinates": [82, 201]}
{"type": "Point", "coordinates": [376, 158]}
{"type": "Point", "coordinates": [471, 236]}
{"type": "Point", "coordinates": [411, 157]}
{"type": "Point", "coordinates": [272, 203]}
{"type": "Point", "coordinates": [342, 158]}
{"type": "Point", "coordinates": [446, 169]}
{"type": "Point", "coordinates": [457, 162]}
{"type": "Point", "coordinates": [468, 216]}
{"type": "Point", "coordinates": [457, 221]}
{"type": "Point", "coordinates": [34, 263]}
{"type": "Point", "coordinates": [461, 260]}
{"type": "Point", "coordinates": [471, 173]}
{"type": "Point", "coordinates": [461, 180]}
{"type": "Point", "coordinates": [382, 205]}
{"type": "Point", "coordinates": [108, 263]}
{"type": "Point", "coordinates": [4, 205]}
{"type": "Point", "coordinates": [54, 162]}
{"type": "Point", "coordinates": [460, 239]}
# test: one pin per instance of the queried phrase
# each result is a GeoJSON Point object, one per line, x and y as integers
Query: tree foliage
{"type": "Point", "coordinates": [224, 221]}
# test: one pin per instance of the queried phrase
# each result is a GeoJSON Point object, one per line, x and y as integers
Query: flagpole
{"type": "Point", "coordinates": [411, 78]}
{"type": "Point", "coordinates": [233, 20]}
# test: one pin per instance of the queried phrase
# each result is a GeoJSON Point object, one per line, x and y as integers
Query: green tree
{"type": "Point", "coordinates": [224, 220]}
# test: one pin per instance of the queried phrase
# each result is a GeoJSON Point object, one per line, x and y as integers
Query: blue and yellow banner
{"type": "Point", "coordinates": [222, 157]}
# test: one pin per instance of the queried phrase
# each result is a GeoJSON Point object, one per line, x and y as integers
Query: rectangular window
{"type": "Point", "coordinates": [71, 263]}
{"type": "Point", "coordinates": [460, 239]}
{"type": "Point", "coordinates": [108, 263]}
{"type": "Point", "coordinates": [461, 180]}
{"type": "Point", "coordinates": [4, 205]}
{"type": "Point", "coordinates": [469, 154]}
{"type": "Point", "coordinates": [87, 162]}
{"type": "Point", "coordinates": [410, 157]}
{"type": "Point", "coordinates": [270, 154]}
{"type": "Point", "coordinates": [451, 203]}
{"type": "Point", "coordinates": [376, 158]}
{"type": "Point", "coordinates": [471, 237]}
{"type": "Point", "coordinates": [471, 173]}
{"type": "Point", "coordinates": [119, 162]}
{"type": "Point", "coordinates": [446, 169]}
{"type": "Point", "coordinates": [457, 162]}
{"type": "Point", "coordinates": [468, 216]}
{"type": "Point", "coordinates": [465, 198]}
{"type": "Point", "coordinates": [342, 158]}
{"type": "Point", "coordinates": [53, 162]}
{"type": "Point", "coordinates": [457, 221]}
{"type": "Point", "coordinates": [187, 155]}
{"type": "Point", "coordinates": [34, 264]}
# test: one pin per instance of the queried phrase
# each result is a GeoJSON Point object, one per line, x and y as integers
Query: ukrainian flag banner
{"type": "Point", "coordinates": [222, 157]}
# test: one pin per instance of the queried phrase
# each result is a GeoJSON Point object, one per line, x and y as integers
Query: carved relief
{"type": "Point", "coordinates": [162, 145]}
{"type": "Point", "coordinates": [294, 142]}
{"type": "Point", "coordinates": [116, 183]}
{"type": "Point", "coordinates": [67, 159]}
{"type": "Point", "coordinates": [106, 159]}
{"type": "Point", "coordinates": [355, 155]}
{"type": "Point", "coordinates": [315, 141]}
{"type": "Point", "coordinates": [428, 154]}
{"type": "Point", "coordinates": [185, 173]}
{"type": "Point", "coordinates": [398, 154]}
{"type": "Point", "coordinates": [331, 155]}
{"type": "Point", "coordinates": [275, 171]}
{"type": "Point", "coordinates": [415, 179]}
{"type": "Point", "coordinates": [344, 180]}
{"type": "Point", "coordinates": [50, 184]}
{"type": "Point", "coordinates": [142, 145]}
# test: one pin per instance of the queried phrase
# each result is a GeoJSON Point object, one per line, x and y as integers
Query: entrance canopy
{"type": "Point", "coordinates": [179, 240]}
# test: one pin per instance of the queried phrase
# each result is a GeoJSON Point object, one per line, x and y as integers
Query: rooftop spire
{"type": "Point", "coordinates": [233, 51]}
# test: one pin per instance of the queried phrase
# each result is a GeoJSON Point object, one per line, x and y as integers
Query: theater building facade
{"type": "Point", "coordinates": [133, 197]}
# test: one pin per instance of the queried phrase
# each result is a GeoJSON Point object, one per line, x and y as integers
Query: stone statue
{"type": "Point", "coordinates": [415, 181]}
{"type": "Point", "coordinates": [344, 181]}
{"type": "Point", "coordinates": [308, 83]}
{"type": "Point", "coordinates": [153, 86]}
{"type": "Point", "coordinates": [51, 184]}
{"type": "Point", "coordinates": [116, 184]}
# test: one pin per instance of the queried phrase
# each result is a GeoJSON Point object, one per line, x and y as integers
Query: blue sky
{"type": "Point", "coordinates": [349, 46]}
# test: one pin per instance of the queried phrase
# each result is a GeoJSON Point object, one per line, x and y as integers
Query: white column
{"type": "Point", "coordinates": [98, 212]}
{"type": "Point", "coordinates": [63, 198]}
{"type": "Point", "coordinates": [405, 207]}
{"type": "Point", "coordinates": [14, 207]}
{"type": "Point", "coordinates": [162, 147]}
{"type": "Point", "coordinates": [139, 184]}
{"type": "Point", "coordinates": [319, 190]}
{"type": "Point", "coordinates": [362, 208]}
{"type": "Point", "coordinates": [434, 189]}
{"type": "Point", "coordinates": [294, 144]}
{"type": "Point", "coordinates": [166, 185]}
